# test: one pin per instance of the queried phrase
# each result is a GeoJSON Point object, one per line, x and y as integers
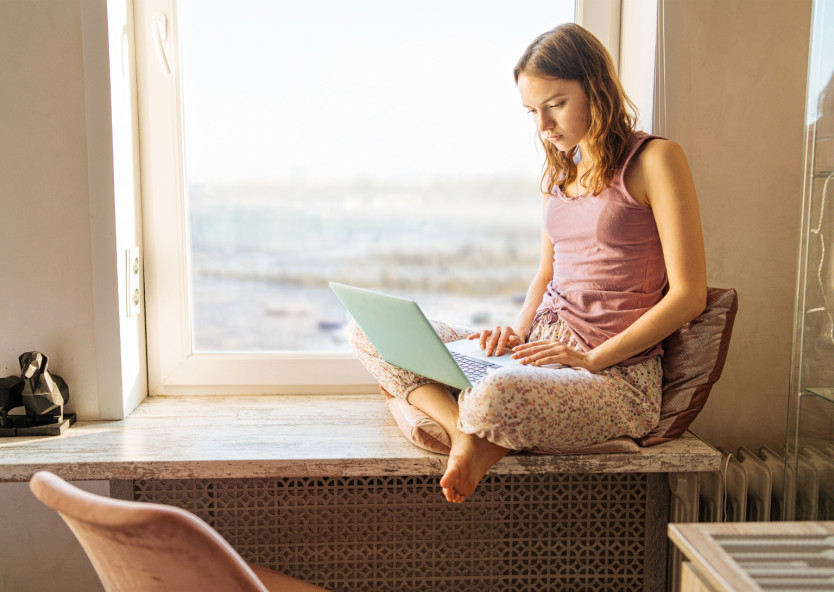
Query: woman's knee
{"type": "Point", "coordinates": [494, 396]}
{"type": "Point", "coordinates": [497, 409]}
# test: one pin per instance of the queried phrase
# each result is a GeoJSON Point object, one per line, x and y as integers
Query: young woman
{"type": "Point", "coordinates": [622, 267]}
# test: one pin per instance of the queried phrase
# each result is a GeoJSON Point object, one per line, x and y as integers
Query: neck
{"type": "Point", "coordinates": [585, 163]}
{"type": "Point", "coordinates": [583, 167]}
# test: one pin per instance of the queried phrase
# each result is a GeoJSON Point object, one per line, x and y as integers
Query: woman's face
{"type": "Point", "coordinates": [559, 108]}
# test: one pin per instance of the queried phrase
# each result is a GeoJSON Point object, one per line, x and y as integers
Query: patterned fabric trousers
{"type": "Point", "coordinates": [526, 407]}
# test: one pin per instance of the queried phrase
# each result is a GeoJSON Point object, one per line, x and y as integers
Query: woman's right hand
{"type": "Point", "coordinates": [495, 341]}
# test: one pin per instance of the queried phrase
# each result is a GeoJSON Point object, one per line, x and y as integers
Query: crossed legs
{"type": "Point", "coordinates": [522, 408]}
{"type": "Point", "coordinates": [470, 457]}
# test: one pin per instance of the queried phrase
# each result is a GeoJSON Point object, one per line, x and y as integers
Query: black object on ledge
{"type": "Point", "coordinates": [42, 396]}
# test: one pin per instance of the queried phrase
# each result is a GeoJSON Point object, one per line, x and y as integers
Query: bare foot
{"type": "Point", "coordinates": [469, 460]}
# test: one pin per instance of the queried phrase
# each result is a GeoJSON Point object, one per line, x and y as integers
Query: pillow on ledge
{"type": "Point", "coordinates": [420, 429]}
{"type": "Point", "coordinates": [693, 358]}
{"type": "Point", "coordinates": [424, 432]}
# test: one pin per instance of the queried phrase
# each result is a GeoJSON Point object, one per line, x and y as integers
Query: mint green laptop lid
{"type": "Point", "coordinates": [402, 334]}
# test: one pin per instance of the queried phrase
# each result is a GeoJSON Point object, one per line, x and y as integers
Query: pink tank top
{"type": "Point", "coordinates": [608, 266]}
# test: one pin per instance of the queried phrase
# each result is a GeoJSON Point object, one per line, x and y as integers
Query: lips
{"type": "Point", "coordinates": [553, 139]}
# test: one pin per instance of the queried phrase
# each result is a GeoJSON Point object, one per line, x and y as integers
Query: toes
{"type": "Point", "coordinates": [450, 483]}
{"type": "Point", "coordinates": [450, 477]}
{"type": "Point", "coordinates": [453, 496]}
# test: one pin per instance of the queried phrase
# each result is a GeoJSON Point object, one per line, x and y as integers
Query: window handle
{"type": "Point", "coordinates": [159, 30]}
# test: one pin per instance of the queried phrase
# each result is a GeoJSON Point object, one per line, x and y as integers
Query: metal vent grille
{"type": "Point", "coordinates": [783, 562]}
{"type": "Point", "coordinates": [396, 533]}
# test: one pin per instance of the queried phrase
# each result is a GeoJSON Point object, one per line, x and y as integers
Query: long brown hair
{"type": "Point", "coordinates": [570, 52]}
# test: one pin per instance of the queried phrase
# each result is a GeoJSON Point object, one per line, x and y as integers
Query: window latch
{"type": "Point", "coordinates": [159, 30]}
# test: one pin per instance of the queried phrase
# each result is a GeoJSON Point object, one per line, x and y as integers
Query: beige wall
{"type": "Point", "coordinates": [736, 77]}
{"type": "Point", "coordinates": [40, 553]}
{"type": "Point", "coordinates": [47, 298]}
{"type": "Point", "coordinates": [69, 208]}
{"type": "Point", "coordinates": [58, 248]}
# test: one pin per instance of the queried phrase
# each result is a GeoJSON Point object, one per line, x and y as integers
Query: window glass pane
{"type": "Point", "coordinates": [381, 144]}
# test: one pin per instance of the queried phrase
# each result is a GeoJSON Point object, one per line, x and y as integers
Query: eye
{"type": "Point", "coordinates": [558, 105]}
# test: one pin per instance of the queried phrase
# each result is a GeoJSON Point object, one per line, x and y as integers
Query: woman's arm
{"type": "Point", "coordinates": [659, 178]}
{"type": "Point", "coordinates": [665, 182]}
{"type": "Point", "coordinates": [496, 340]}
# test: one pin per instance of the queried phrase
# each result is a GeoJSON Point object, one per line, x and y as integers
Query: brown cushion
{"type": "Point", "coordinates": [418, 427]}
{"type": "Point", "coordinates": [693, 358]}
{"type": "Point", "coordinates": [424, 432]}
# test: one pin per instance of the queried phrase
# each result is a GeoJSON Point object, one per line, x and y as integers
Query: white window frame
{"type": "Point", "coordinates": [173, 368]}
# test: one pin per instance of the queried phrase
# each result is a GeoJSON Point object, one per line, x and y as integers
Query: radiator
{"type": "Point", "coordinates": [521, 533]}
{"type": "Point", "coordinates": [573, 532]}
{"type": "Point", "coordinates": [751, 487]}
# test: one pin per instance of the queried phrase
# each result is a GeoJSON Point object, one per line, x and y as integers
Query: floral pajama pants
{"type": "Point", "coordinates": [525, 407]}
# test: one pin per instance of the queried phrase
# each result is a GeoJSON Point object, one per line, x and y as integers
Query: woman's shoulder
{"type": "Point", "coordinates": [656, 148]}
{"type": "Point", "coordinates": [655, 157]}
{"type": "Point", "coordinates": [635, 145]}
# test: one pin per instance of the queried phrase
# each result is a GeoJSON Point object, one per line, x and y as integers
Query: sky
{"type": "Point", "coordinates": [821, 69]}
{"type": "Point", "coordinates": [333, 91]}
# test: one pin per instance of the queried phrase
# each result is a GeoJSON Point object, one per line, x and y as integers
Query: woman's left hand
{"type": "Point", "coordinates": [551, 351]}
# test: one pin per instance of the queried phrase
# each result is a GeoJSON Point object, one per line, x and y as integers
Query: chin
{"type": "Point", "coordinates": [563, 146]}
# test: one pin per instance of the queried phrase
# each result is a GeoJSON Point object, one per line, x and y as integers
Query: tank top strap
{"type": "Point", "coordinates": [637, 141]}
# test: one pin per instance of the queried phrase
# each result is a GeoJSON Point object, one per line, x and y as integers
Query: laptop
{"type": "Point", "coordinates": [404, 337]}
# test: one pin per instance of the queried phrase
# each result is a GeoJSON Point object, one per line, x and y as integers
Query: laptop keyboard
{"type": "Point", "coordinates": [475, 370]}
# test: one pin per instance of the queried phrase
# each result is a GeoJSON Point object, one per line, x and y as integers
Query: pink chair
{"type": "Point", "coordinates": [141, 547]}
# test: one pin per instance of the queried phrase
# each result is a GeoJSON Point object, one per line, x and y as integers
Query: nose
{"type": "Point", "coordinates": [543, 121]}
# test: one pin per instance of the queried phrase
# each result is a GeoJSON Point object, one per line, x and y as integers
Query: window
{"type": "Point", "coordinates": [285, 145]}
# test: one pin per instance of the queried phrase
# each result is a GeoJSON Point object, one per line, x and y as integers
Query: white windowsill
{"type": "Point", "coordinates": [215, 437]}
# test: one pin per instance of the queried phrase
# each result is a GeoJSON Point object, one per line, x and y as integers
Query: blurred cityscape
{"type": "Point", "coordinates": [262, 256]}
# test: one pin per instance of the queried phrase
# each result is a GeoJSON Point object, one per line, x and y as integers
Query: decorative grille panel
{"type": "Point", "coordinates": [398, 534]}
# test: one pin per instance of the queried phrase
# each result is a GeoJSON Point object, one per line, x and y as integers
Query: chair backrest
{"type": "Point", "coordinates": [142, 547]}
{"type": "Point", "coordinates": [693, 359]}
